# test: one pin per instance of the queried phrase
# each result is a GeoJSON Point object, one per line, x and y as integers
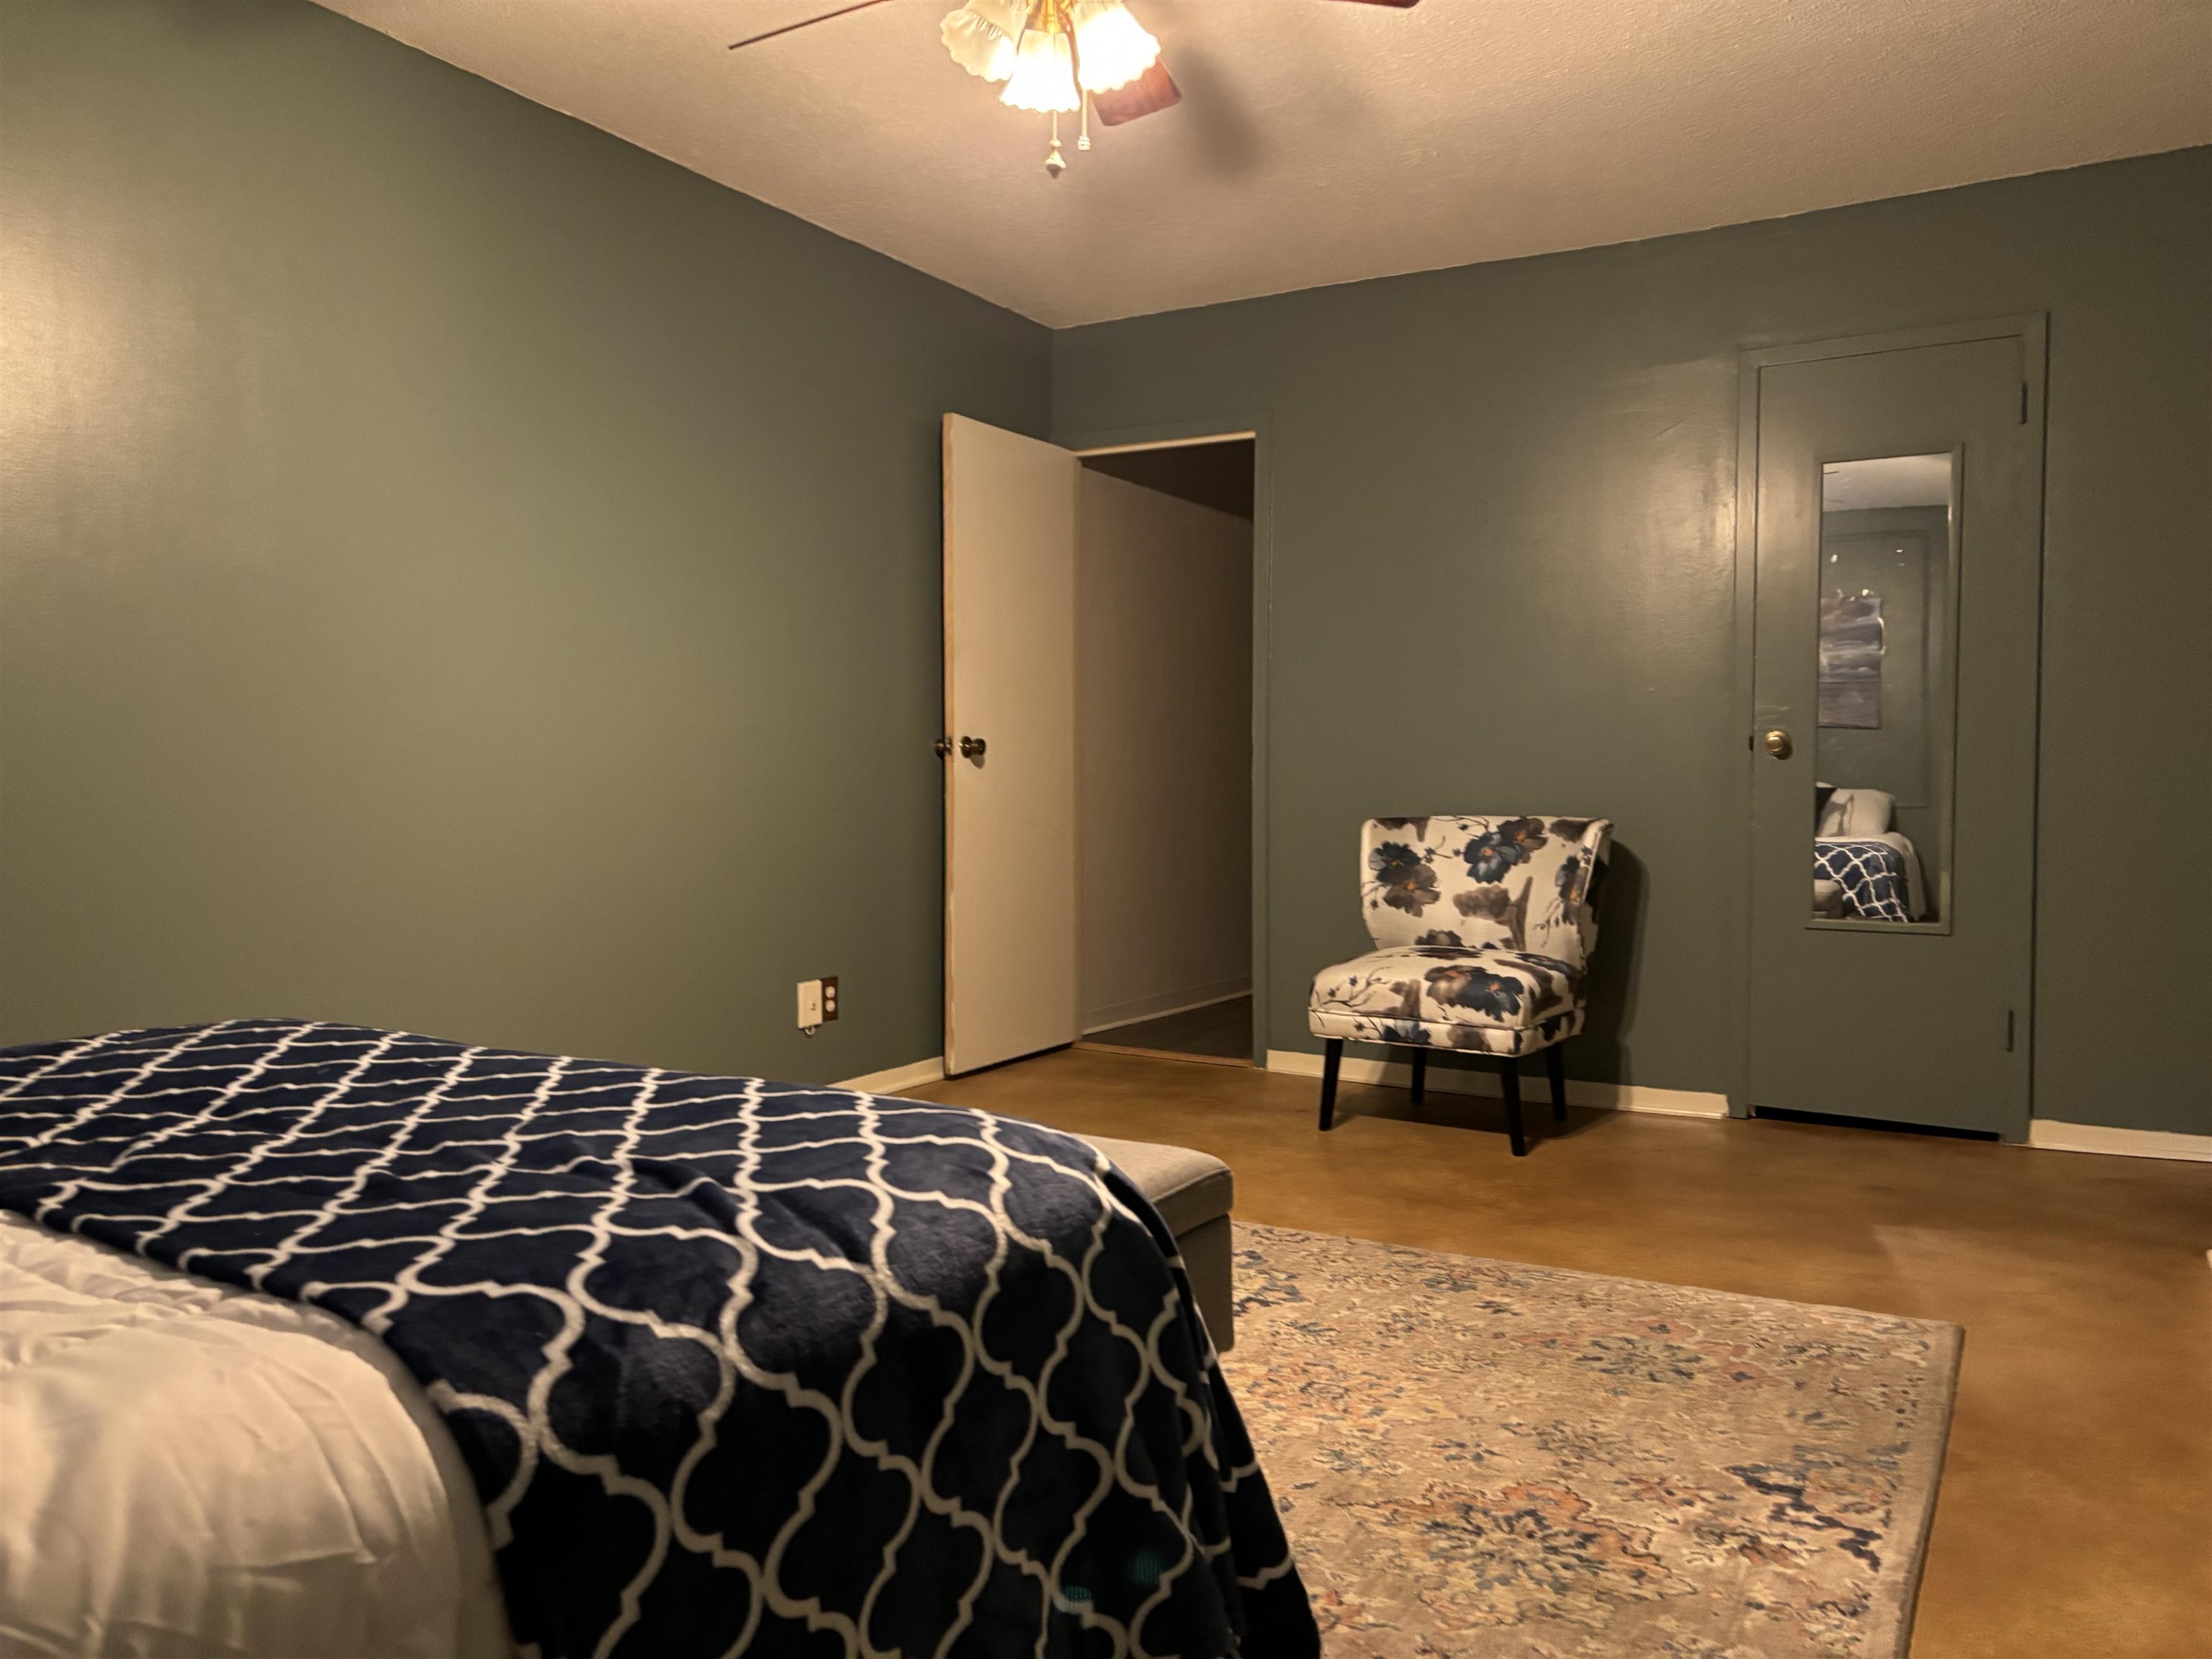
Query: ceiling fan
{"type": "Point", "coordinates": [1056, 57]}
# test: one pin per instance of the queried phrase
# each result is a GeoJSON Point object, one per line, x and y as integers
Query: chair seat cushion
{"type": "Point", "coordinates": [1451, 985]}
{"type": "Point", "coordinates": [1492, 1000]}
{"type": "Point", "coordinates": [1500, 1040]}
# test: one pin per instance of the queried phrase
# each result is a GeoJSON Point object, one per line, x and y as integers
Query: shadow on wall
{"type": "Point", "coordinates": [1597, 1056]}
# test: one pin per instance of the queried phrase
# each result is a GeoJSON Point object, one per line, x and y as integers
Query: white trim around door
{"type": "Point", "coordinates": [2052, 1137]}
{"type": "Point", "coordinates": [898, 1078]}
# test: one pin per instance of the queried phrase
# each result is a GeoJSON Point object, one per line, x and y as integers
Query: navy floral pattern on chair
{"type": "Point", "coordinates": [1483, 930]}
{"type": "Point", "coordinates": [1493, 853]}
{"type": "Point", "coordinates": [1402, 878]}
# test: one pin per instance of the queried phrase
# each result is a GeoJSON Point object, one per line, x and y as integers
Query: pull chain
{"type": "Point", "coordinates": [1054, 163]}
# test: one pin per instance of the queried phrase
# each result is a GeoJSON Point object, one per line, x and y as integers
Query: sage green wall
{"type": "Point", "coordinates": [1502, 509]}
{"type": "Point", "coordinates": [461, 571]}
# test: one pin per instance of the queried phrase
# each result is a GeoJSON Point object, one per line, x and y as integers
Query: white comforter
{"type": "Point", "coordinates": [188, 1470]}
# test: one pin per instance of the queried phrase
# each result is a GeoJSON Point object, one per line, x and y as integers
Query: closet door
{"type": "Point", "coordinates": [1010, 872]}
{"type": "Point", "coordinates": [1898, 538]}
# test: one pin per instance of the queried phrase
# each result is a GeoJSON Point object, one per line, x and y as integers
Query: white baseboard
{"type": "Point", "coordinates": [2123, 1143]}
{"type": "Point", "coordinates": [1096, 1020]}
{"type": "Point", "coordinates": [1453, 1080]}
{"type": "Point", "coordinates": [899, 1077]}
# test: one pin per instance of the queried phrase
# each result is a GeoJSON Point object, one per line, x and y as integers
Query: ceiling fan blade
{"type": "Point", "coordinates": [1148, 94]}
{"type": "Point", "coordinates": [1402, 5]}
{"type": "Point", "coordinates": [858, 5]}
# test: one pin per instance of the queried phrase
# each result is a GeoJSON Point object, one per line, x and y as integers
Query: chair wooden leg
{"type": "Point", "coordinates": [1420, 1074]}
{"type": "Point", "coordinates": [1331, 1053]}
{"type": "Point", "coordinates": [1555, 1065]}
{"type": "Point", "coordinates": [1509, 1068]}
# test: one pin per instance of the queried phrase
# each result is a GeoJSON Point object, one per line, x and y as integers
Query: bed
{"type": "Point", "coordinates": [1861, 867]}
{"type": "Point", "coordinates": [328, 1340]}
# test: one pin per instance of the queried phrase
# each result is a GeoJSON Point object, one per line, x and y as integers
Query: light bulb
{"type": "Point", "coordinates": [980, 36]}
{"type": "Point", "coordinates": [1112, 44]}
{"type": "Point", "coordinates": [1043, 79]}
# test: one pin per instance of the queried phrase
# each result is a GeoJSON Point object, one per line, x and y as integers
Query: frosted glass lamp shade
{"type": "Point", "coordinates": [1113, 45]}
{"type": "Point", "coordinates": [980, 36]}
{"type": "Point", "coordinates": [1044, 75]}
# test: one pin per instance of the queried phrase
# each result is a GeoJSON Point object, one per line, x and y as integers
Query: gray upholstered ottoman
{"type": "Point", "coordinates": [1193, 1192]}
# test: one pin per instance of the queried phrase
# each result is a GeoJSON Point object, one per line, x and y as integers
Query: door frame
{"type": "Point", "coordinates": [2031, 330]}
{"type": "Point", "coordinates": [1181, 434]}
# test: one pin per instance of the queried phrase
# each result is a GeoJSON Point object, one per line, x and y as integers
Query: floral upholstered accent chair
{"type": "Point", "coordinates": [1483, 930]}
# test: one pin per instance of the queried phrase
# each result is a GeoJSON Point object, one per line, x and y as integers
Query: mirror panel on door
{"type": "Point", "coordinates": [1887, 691]}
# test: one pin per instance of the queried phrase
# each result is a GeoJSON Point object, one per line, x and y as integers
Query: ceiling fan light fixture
{"type": "Point", "coordinates": [1044, 75]}
{"type": "Point", "coordinates": [980, 36]}
{"type": "Point", "coordinates": [1113, 45]}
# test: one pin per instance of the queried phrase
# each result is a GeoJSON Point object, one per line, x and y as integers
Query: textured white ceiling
{"type": "Point", "coordinates": [1320, 141]}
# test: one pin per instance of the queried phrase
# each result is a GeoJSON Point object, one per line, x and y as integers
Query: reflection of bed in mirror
{"type": "Point", "coordinates": [1863, 869]}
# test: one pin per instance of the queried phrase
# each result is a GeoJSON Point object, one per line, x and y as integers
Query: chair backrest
{"type": "Point", "coordinates": [1530, 884]}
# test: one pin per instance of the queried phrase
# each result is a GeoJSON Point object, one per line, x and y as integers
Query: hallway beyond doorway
{"type": "Point", "coordinates": [1220, 1033]}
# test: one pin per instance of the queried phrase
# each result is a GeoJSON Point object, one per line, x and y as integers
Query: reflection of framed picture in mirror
{"type": "Point", "coordinates": [1850, 660]}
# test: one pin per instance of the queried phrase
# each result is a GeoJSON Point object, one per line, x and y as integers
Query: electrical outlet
{"type": "Point", "coordinates": [817, 1002]}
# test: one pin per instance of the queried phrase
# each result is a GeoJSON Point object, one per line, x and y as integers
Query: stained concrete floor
{"type": "Point", "coordinates": [2075, 1515]}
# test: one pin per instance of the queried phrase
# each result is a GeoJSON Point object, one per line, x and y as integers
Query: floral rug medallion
{"type": "Point", "coordinates": [1478, 1459]}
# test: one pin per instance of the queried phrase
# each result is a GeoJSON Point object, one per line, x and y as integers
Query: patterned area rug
{"type": "Point", "coordinates": [1477, 1459]}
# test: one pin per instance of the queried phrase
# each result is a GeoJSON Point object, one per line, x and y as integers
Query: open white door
{"type": "Point", "coordinates": [1010, 960]}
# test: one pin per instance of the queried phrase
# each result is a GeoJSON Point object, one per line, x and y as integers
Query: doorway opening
{"type": "Point", "coordinates": [1163, 625]}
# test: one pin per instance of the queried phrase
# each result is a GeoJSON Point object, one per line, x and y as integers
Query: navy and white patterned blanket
{"type": "Point", "coordinates": [739, 1367]}
{"type": "Point", "coordinates": [1872, 875]}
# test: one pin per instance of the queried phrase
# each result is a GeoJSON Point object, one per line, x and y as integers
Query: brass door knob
{"type": "Point", "coordinates": [973, 747]}
{"type": "Point", "coordinates": [1777, 743]}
